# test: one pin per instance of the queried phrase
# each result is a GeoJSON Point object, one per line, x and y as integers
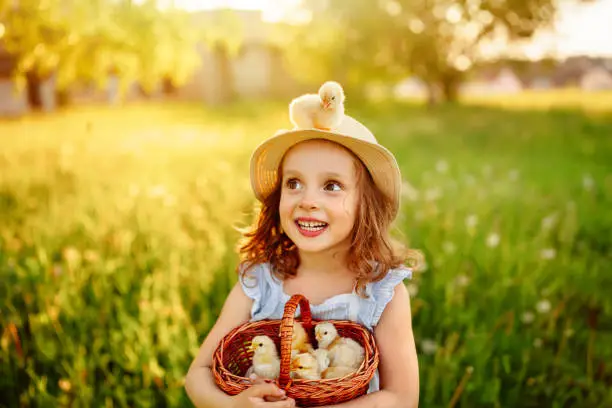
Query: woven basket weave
{"type": "Point", "coordinates": [232, 358]}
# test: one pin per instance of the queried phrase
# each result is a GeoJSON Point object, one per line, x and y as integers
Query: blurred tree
{"type": "Point", "coordinates": [87, 42]}
{"type": "Point", "coordinates": [436, 40]}
{"type": "Point", "coordinates": [223, 33]}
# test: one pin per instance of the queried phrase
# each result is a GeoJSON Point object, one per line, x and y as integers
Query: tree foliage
{"type": "Point", "coordinates": [85, 42]}
{"type": "Point", "coordinates": [436, 40]}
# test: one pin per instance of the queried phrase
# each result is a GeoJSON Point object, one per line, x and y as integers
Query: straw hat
{"type": "Point", "coordinates": [350, 133]}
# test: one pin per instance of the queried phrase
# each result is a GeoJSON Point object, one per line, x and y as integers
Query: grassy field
{"type": "Point", "coordinates": [117, 235]}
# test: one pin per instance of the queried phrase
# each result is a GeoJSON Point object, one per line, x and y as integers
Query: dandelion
{"type": "Point", "coordinates": [537, 343]}
{"type": "Point", "coordinates": [487, 170]}
{"type": "Point", "coordinates": [134, 190]}
{"type": "Point", "coordinates": [449, 247]}
{"type": "Point", "coordinates": [157, 191]}
{"type": "Point", "coordinates": [528, 317]}
{"type": "Point", "coordinates": [548, 253]}
{"type": "Point", "coordinates": [471, 221]}
{"type": "Point", "coordinates": [429, 346]}
{"type": "Point", "coordinates": [493, 240]}
{"type": "Point", "coordinates": [72, 256]}
{"type": "Point", "coordinates": [413, 289]}
{"type": "Point", "coordinates": [64, 385]}
{"type": "Point", "coordinates": [549, 222]}
{"type": "Point", "coordinates": [90, 255]}
{"type": "Point", "coordinates": [409, 192]}
{"type": "Point", "coordinates": [587, 182]}
{"type": "Point", "coordinates": [441, 166]}
{"type": "Point", "coordinates": [462, 281]}
{"type": "Point", "coordinates": [169, 200]}
{"type": "Point", "coordinates": [433, 194]}
{"type": "Point", "coordinates": [543, 306]}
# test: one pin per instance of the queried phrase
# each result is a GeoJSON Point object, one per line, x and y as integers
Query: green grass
{"type": "Point", "coordinates": [117, 248]}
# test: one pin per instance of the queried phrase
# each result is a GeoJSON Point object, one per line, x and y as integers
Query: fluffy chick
{"type": "Point", "coordinates": [305, 366]}
{"type": "Point", "coordinates": [336, 372]}
{"type": "Point", "coordinates": [266, 362]}
{"type": "Point", "coordinates": [342, 351]}
{"type": "Point", "coordinates": [299, 341]}
{"type": "Point", "coordinates": [321, 355]}
{"type": "Point", "coordinates": [324, 110]}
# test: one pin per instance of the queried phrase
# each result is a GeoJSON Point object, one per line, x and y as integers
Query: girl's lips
{"type": "Point", "coordinates": [310, 232]}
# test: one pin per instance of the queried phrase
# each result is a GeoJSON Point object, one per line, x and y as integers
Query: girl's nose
{"type": "Point", "coordinates": [308, 201]}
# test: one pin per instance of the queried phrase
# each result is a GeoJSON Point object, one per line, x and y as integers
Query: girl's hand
{"type": "Point", "coordinates": [257, 397]}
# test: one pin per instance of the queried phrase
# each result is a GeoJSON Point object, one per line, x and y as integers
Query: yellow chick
{"type": "Point", "coordinates": [342, 351]}
{"type": "Point", "coordinates": [299, 340]}
{"type": "Point", "coordinates": [324, 110]}
{"type": "Point", "coordinates": [266, 362]}
{"type": "Point", "coordinates": [305, 366]}
{"type": "Point", "coordinates": [336, 372]}
{"type": "Point", "coordinates": [321, 355]}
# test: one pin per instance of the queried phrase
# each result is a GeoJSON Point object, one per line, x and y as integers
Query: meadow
{"type": "Point", "coordinates": [118, 229]}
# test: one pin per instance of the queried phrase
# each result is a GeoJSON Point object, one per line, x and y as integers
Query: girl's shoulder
{"type": "Point", "coordinates": [380, 293]}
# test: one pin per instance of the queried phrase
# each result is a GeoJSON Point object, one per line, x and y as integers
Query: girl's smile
{"type": "Point", "coordinates": [310, 227]}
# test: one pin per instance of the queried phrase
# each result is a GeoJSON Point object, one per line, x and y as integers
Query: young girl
{"type": "Point", "coordinates": [328, 199]}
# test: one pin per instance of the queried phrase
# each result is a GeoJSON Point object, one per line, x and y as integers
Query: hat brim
{"type": "Point", "coordinates": [379, 161]}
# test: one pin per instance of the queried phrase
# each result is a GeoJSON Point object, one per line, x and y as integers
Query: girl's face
{"type": "Point", "coordinates": [319, 196]}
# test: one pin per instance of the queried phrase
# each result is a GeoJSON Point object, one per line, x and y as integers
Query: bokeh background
{"type": "Point", "coordinates": [125, 133]}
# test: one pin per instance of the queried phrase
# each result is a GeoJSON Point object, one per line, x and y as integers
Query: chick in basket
{"type": "Point", "coordinates": [266, 362]}
{"type": "Point", "coordinates": [305, 366]}
{"type": "Point", "coordinates": [342, 351]}
{"type": "Point", "coordinates": [299, 340]}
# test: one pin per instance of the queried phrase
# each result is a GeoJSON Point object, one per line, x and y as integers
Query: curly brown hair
{"type": "Point", "coordinates": [372, 251]}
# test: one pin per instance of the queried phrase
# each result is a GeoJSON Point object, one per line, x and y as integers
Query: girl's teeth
{"type": "Point", "coordinates": [311, 226]}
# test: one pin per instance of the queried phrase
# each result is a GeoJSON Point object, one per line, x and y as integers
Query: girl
{"type": "Point", "coordinates": [328, 199]}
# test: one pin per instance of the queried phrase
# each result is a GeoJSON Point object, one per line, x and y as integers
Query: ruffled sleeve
{"type": "Point", "coordinates": [257, 284]}
{"type": "Point", "coordinates": [382, 291]}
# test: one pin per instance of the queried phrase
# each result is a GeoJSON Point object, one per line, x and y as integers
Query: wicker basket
{"type": "Point", "coordinates": [232, 358]}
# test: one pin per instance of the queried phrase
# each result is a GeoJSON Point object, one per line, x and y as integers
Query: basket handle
{"type": "Point", "coordinates": [286, 333]}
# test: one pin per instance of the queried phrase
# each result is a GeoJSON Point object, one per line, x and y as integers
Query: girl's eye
{"type": "Point", "coordinates": [293, 184]}
{"type": "Point", "coordinates": [333, 186]}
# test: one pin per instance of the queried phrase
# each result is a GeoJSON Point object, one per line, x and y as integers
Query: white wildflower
{"type": "Point", "coordinates": [470, 180]}
{"type": "Point", "coordinates": [493, 240]}
{"type": "Point", "coordinates": [549, 222]}
{"type": "Point", "coordinates": [487, 170]}
{"type": "Point", "coordinates": [442, 166]}
{"type": "Point", "coordinates": [134, 190]}
{"type": "Point", "coordinates": [449, 247]}
{"type": "Point", "coordinates": [543, 306]}
{"type": "Point", "coordinates": [409, 192]}
{"type": "Point", "coordinates": [548, 253]}
{"type": "Point", "coordinates": [429, 346]}
{"type": "Point", "coordinates": [157, 191]}
{"type": "Point", "coordinates": [462, 280]}
{"type": "Point", "coordinates": [471, 221]}
{"type": "Point", "coordinates": [513, 175]}
{"type": "Point", "coordinates": [587, 182]}
{"type": "Point", "coordinates": [537, 343]}
{"type": "Point", "coordinates": [528, 317]}
{"type": "Point", "coordinates": [432, 194]}
{"type": "Point", "coordinates": [413, 289]}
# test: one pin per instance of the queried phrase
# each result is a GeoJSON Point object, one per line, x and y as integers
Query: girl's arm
{"type": "Point", "coordinates": [199, 382]}
{"type": "Point", "coordinates": [398, 368]}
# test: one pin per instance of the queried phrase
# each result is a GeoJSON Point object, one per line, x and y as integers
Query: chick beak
{"type": "Point", "coordinates": [326, 104]}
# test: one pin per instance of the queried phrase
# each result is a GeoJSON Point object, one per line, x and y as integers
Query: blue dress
{"type": "Point", "coordinates": [269, 301]}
